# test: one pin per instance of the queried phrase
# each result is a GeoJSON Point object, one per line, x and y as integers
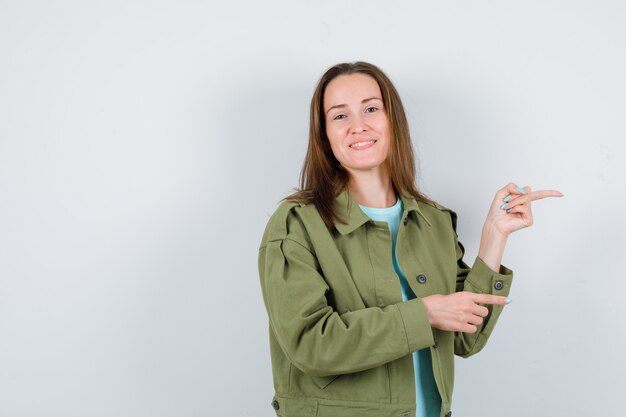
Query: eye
{"type": "Point", "coordinates": [339, 117]}
{"type": "Point", "coordinates": [371, 108]}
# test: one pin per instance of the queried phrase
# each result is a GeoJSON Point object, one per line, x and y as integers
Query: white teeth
{"type": "Point", "coordinates": [362, 143]}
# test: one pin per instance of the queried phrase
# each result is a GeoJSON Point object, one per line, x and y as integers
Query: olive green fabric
{"type": "Point", "coordinates": [340, 335]}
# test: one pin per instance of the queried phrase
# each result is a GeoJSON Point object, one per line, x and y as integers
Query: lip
{"type": "Point", "coordinates": [361, 140]}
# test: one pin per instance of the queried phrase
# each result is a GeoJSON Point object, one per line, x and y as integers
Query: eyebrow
{"type": "Point", "coordinates": [345, 105]}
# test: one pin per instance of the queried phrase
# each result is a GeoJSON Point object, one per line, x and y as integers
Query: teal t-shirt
{"type": "Point", "coordinates": [427, 399]}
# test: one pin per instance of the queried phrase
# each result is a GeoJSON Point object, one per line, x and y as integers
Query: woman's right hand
{"type": "Point", "coordinates": [460, 311]}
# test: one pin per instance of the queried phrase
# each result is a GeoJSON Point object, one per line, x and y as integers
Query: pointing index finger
{"type": "Point", "coordinates": [489, 299]}
{"type": "Point", "coordinates": [538, 195]}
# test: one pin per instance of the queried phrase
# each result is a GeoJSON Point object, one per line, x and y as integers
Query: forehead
{"type": "Point", "coordinates": [350, 89]}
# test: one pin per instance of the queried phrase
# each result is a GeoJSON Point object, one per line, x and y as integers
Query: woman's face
{"type": "Point", "coordinates": [354, 113]}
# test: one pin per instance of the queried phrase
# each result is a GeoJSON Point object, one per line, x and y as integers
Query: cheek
{"type": "Point", "coordinates": [387, 141]}
{"type": "Point", "coordinates": [333, 136]}
{"type": "Point", "coordinates": [331, 139]}
{"type": "Point", "coordinates": [336, 148]}
{"type": "Point", "coordinates": [386, 148]}
{"type": "Point", "coordinates": [383, 127]}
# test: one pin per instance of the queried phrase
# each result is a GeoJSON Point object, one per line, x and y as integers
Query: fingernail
{"type": "Point", "coordinates": [510, 210]}
{"type": "Point", "coordinates": [508, 301]}
{"type": "Point", "coordinates": [507, 198]}
{"type": "Point", "coordinates": [503, 206]}
{"type": "Point", "coordinates": [521, 190]}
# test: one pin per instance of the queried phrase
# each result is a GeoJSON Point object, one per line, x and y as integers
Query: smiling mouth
{"type": "Point", "coordinates": [363, 145]}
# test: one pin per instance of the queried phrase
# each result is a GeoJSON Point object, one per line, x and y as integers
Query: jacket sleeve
{"type": "Point", "coordinates": [316, 338]}
{"type": "Point", "coordinates": [480, 279]}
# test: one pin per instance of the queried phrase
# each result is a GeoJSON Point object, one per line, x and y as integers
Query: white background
{"type": "Point", "coordinates": [144, 144]}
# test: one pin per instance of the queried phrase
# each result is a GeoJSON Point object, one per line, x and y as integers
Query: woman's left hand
{"type": "Point", "coordinates": [510, 209]}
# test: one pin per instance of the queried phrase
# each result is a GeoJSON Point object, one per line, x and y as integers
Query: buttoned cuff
{"type": "Point", "coordinates": [482, 279]}
{"type": "Point", "coordinates": [419, 334]}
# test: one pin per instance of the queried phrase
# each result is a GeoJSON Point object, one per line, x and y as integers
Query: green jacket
{"type": "Point", "coordinates": [340, 335]}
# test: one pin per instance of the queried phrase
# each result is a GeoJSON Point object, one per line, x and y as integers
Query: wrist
{"type": "Point", "coordinates": [426, 302]}
{"type": "Point", "coordinates": [490, 231]}
{"type": "Point", "coordinates": [491, 248]}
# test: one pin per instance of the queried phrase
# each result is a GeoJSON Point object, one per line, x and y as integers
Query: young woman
{"type": "Point", "coordinates": [363, 277]}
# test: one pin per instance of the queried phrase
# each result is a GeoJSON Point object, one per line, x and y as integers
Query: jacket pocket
{"type": "Point", "coordinates": [323, 381]}
{"type": "Point", "coordinates": [298, 380]}
{"type": "Point", "coordinates": [371, 385]}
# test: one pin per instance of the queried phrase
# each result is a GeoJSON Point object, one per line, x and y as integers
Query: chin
{"type": "Point", "coordinates": [364, 166]}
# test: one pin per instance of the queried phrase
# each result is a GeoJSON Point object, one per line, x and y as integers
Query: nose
{"type": "Point", "coordinates": [358, 126]}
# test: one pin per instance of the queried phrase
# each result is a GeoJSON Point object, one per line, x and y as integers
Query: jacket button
{"type": "Point", "coordinates": [406, 220]}
{"type": "Point", "coordinates": [436, 343]}
{"type": "Point", "coordinates": [449, 413]}
{"type": "Point", "coordinates": [421, 278]}
{"type": "Point", "coordinates": [498, 285]}
{"type": "Point", "coordinates": [275, 405]}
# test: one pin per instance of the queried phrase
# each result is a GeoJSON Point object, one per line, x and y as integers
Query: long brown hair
{"type": "Point", "coordinates": [322, 177]}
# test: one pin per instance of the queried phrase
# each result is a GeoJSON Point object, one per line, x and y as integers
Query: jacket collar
{"type": "Point", "coordinates": [349, 209]}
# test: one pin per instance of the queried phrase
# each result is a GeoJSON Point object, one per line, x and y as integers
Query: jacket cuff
{"type": "Point", "coordinates": [484, 280]}
{"type": "Point", "coordinates": [419, 334]}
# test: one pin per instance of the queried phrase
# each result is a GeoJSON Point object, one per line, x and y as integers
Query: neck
{"type": "Point", "coordinates": [372, 189]}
